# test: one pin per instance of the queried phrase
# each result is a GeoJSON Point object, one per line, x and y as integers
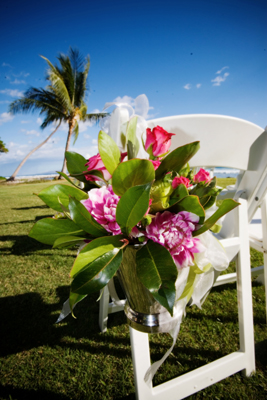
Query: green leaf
{"type": "Point", "coordinates": [76, 165]}
{"type": "Point", "coordinates": [68, 241]}
{"type": "Point", "coordinates": [95, 275]}
{"type": "Point", "coordinates": [75, 298]}
{"type": "Point", "coordinates": [67, 178]}
{"type": "Point", "coordinates": [48, 230]}
{"type": "Point", "coordinates": [190, 204]}
{"type": "Point", "coordinates": [157, 271]}
{"type": "Point", "coordinates": [176, 160]}
{"type": "Point", "coordinates": [81, 216]}
{"type": "Point", "coordinates": [51, 194]}
{"type": "Point", "coordinates": [109, 152]}
{"type": "Point", "coordinates": [132, 141]}
{"type": "Point", "coordinates": [132, 173]}
{"type": "Point", "coordinates": [179, 193]}
{"type": "Point", "coordinates": [95, 249]}
{"type": "Point", "coordinates": [189, 287]}
{"type": "Point", "coordinates": [132, 207]}
{"type": "Point", "coordinates": [226, 206]}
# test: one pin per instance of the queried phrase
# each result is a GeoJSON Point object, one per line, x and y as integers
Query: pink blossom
{"type": "Point", "coordinates": [180, 180]}
{"type": "Point", "coordinates": [102, 204]}
{"type": "Point", "coordinates": [174, 232]}
{"type": "Point", "coordinates": [159, 139]}
{"type": "Point", "coordinates": [156, 164]}
{"type": "Point", "coordinates": [202, 176]}
{"type": "Point", "coordinates": [96, 163]}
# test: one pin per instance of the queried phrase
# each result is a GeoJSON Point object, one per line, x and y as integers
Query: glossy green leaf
{"type": "Point", "coordinates": [68, 241]}
{"type": "Point", "coordinates": [109, 152]}
{"type": "Point", "coordinates": [81, 216]}
{"type": "Point", "coordinates": [190, 204]}
{"type": "Point", "coordinates": [76, 165]}
{"type": "Point", "coordinates": [157, 271]}
{"type": "Point", "coordinates": [95, 249]}
{"type": "Point", "coordinates": [75, 298]}
{"type": "Point", "coordinates": [132, 141]}
{"type": "Point", "coordinates": [132, 207]}
{"type": "Point", "coordinates": [52, 194]}
{"type": "Point", "coordinates": [48, 230]}
{"type": "Point", "coordinates": [95, 275]}
{"type": "Point", "coordinates": [179, 193]}
{"type": "Point", "coordinates": [177, 159]}
{"type": "Point", "coordinates": [132, 173]}
{"type": "Point", "coordinates": [226, 206]}
{"type": "Point", "coordinates": [65, 176]}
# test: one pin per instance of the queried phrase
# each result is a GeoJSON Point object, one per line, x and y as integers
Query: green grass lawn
{"type": "Point", "coordinates": [73, 360]}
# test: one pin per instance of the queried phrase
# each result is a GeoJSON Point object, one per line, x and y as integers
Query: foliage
{"type": "Point", "coordinates": [138, 191]}
{"type": "Point", "coordinates": [73, 360]}
{"type": "Point", "coordinates": [3, 148]}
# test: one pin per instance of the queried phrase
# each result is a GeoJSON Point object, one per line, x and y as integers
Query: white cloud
{"type": "Point", "coordinates": [221, 70]}
{"type": "Point", "coordinates": [17, 82]}
{"type": "Point", "coordinates": [86, 136]}
{"type": "Point", "coordinates": [31, 132]}
{"type": "Point", "coordinates": [94, 141]}
{"type": "Point", "coordinates": [187, 86]}
{"type": "Point", "coordinates": [25, 122]}
{"type": "Point", "coordinates": [6, 65]}
{"type": "Point", "coordinates": [5, 117]}
{"type": "Point", "coordinates": [12, 92]}
{"type": "Point", "coordinates": [39, 121]}
{"type": "Point", "coordinates": [24, 74]}
{"type": "Point", "coordinates": [219, 79]}
{"type": "Point", "coordinates": [198, 85]}
{"type": "Point", "coordinates": [4, 102]}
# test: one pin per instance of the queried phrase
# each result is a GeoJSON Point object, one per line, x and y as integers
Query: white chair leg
{"type": "Point", "coordinates": [103, 310]}
{"type": "Point", "coordinates": [244, 291]}
{"type": "Point", "coordinates": [264, 239]}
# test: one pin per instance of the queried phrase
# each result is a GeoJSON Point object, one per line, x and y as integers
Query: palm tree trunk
{"type": "Point", "coordinates": [13, 176]}
{"type": "Point", "coordinates": [64, 167]}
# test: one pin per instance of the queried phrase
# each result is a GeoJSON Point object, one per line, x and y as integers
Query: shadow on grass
{"type": "Point", "coordinates": [30, 208]}
{"type": "Point", "coordinates": [11, 393]}
{"type": "Point", "coordinates": [22, 244]}
{"type": "Point", "coordinates": [27, 322]}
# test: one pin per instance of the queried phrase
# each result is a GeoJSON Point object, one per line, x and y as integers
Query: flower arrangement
{"type": "Point", "coordinates": [158, 205]}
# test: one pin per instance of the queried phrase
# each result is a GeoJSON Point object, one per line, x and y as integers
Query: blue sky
{"type": "Point", "coordinates": [206, 56]}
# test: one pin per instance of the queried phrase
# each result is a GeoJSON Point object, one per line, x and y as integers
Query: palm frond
{"type": "Point", "coordinates": [95, 116]}
{"type": "Point", "coordinates": [76, 132]}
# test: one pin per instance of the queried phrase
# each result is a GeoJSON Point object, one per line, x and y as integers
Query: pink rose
{"type": "Point", "coordinates": [158, 141]}
{"type": "Point", "coordinates": [202, 176]}
{"type": "Point", "coordinates": [156, 164]}
{"type": "Point", "coordinates": [181, 180]}
{"type": "Point", "coordinates": [95, 163]}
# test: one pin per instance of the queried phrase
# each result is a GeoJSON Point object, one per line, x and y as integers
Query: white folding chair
{"type": "Point", "coordinates": [238, 144]}
{"type": "Point", "coordinates": [216, 150]}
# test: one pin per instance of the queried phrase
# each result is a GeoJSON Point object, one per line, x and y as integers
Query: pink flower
{"type": "Point", "coordinates": [102, 204]}
{"type": "Point", "coordinates": [155, 163]}
{"type": "Point", "coordinates": [174, 232]}
{"type": "Point", "coordinates": [159, 139]}
{"type": "Point", "coordinates": [181, 180]}
{"type": "Point", "coordinates": [95, 163]}
{"type": "Point", "coordinates": [202, 176]}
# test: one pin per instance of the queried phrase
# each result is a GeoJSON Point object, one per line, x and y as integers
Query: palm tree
{"type": "Point", "coordinates": [3, 148]}
{"type": "Point", "coordinates": [62, 101]}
